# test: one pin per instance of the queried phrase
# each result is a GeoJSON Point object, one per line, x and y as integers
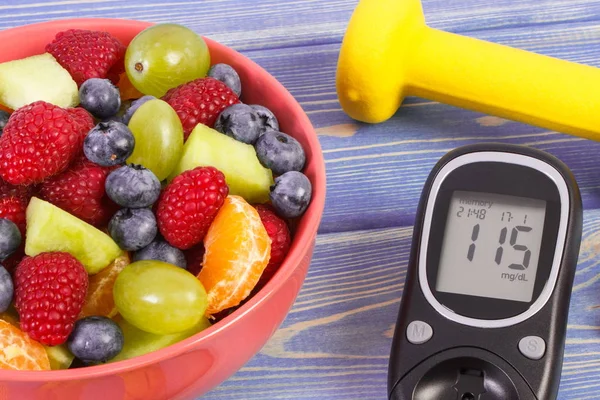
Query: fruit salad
{"type": "Point", "coordinates": [141, 199]}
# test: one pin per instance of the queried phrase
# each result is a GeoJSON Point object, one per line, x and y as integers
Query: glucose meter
{"type": "Point", "coordinates": [484, 310]}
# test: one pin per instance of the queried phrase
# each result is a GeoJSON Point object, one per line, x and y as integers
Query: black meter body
{"type": "Point", "coordinates": [484, 310]}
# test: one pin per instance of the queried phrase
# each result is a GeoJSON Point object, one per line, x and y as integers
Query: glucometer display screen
{"type": "Point", "coordinates": [491, 246]}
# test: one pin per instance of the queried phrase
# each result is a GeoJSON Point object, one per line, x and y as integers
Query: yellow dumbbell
{"type": "Point", "coordinates": [388, 53]}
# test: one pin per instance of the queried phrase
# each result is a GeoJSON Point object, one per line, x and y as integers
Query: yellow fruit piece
{"type": "Point", "coordinates": [59, 356]}
{"type": "Point", "coordinates": [35, 78]}
{"type": "Point", "coordinates": [99, 299]}
{"type": "Point", "coordinates": [19, 352]}
{"type": "Point", "coordinates": [238, 249]}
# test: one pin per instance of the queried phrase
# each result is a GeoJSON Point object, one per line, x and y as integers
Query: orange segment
{"type": "Point", "coordinates": [237, 248]}
{"type": "Point", "coordinates": [19, 352]}
{"type": "Point", "coordinates": [99, 299]}
{"type": "Point", "coordinates": [127, 90]}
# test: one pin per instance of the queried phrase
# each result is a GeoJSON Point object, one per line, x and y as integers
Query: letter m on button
{"type": "Point", "coordinates": [418, 332]}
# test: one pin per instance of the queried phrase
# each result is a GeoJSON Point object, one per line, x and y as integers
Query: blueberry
{"type": "Point", "coordinates": [240, 122]}
{"type": "Point", "coordinates": [10, 238]}
{"type": "Point", "coordinates": [7, 289]}
{"type": "Point", "coordinates": [132, 186]}
{"type": "Point", "coordinates": [162, 251]}
{"type": "Point", "coordinates": [267, 120]}
{"type": "Point", "coordinates": [100, 97]}
{"type": "Point", "coordinates": [226, 74]}
{"type": "Point", "coordinates": [95, 339]}
{"type": "Point", "coordinates": [280, 152]}
{"type": "Point", "coordinates": [291, 193]}
{"type": "Point", "coordinates": [3, 120]}
{"type": "Point", "coordinates": [133, 228]}
{"type": "Point", "coordinates": [109, 143]}
{"type": "Point", "coordinates": [134, 106]}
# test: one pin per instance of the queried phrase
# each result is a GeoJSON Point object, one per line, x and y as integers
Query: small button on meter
{"type": "Point", "coordinates": [532, 347]}
{"type": "Point", "coordinates": [418, 332]}
{"type": "Point", "coordinates": [484, 310]}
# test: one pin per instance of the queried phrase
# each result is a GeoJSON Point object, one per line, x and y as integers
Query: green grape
{"type": "Point", "coordinates": [165, 56]}
{"type": "Point", "coordinates": [245, 175]}
{"type": "Point", "coordinates": [158, 137]}
{"type": "Point", "coordinates": [51, 229]}
{"type": "Point", "coordinates": [159, 298]}
{"type": "Point", "coordinates": [138, 342]}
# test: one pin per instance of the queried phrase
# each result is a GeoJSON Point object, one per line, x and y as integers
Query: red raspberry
{"type": "Point", "coordinates": [13, 205]}
{"type": "Point", "coordinates": [87, 54]}
{"type": "Point", "coordinates": [280, 236]}
{"type": "Point", "coordinates": [188, 205]}
{"type": "Point", "coordinates": [80, 191]}
{"type": "Point", "coordinates": [13, 208]}
{"type": "Point", "coordinates": [200, 102]}
{"type": "Point", "coordinates": [50, 289]}
{"type": "Point", "coordinates": [22, 192]}
{"type": "Point", "coordinates": [86, 124]}
{"type": "Point", "coordinates": [39, 140]}
{"type": "Point", "coordinates": [84, 119]}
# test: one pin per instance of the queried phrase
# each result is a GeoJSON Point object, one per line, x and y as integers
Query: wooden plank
{"type": "Point", "coordinates": [335, 342]}
{"type": "Point", "coordinates": [241, 24]}
{"type": "Point", "coordinates": [474, 15]}
{"type": "Point", "coordinates": [263, 24]}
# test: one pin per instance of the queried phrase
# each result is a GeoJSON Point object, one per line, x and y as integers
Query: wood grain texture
{"type": "Point", "coordinates": [335, 342]}
{"type": "Point", "coordinates": [262, 24]}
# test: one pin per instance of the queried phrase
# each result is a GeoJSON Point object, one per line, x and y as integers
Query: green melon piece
{"type": "Point", "coordinates": [138, 342]}
{"type": "Point", "coordinates": [35, 78]}
{"type": "Point", "coordinates": [51, 229]}
{"type": "Point", "coordinates": [60, 357]}
{"type": "Point", "coordinates": [244, 174]}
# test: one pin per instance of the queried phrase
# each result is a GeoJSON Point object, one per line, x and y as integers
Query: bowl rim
{"type": "Point", "coordinates": [304, 237]}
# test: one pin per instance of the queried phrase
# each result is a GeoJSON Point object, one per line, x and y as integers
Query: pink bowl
{"type": "Point", "coordinates": [192, 367]}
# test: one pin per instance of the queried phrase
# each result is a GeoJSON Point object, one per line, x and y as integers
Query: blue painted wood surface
{"type": "Point", "coordinates": [335, 342]}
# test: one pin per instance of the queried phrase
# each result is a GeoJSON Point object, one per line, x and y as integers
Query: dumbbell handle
{"type": "Point", "coordinates": [507, 82]}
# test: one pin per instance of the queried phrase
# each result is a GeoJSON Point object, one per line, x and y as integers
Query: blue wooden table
{"type": "Point", "coordinates": [335, 342]}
